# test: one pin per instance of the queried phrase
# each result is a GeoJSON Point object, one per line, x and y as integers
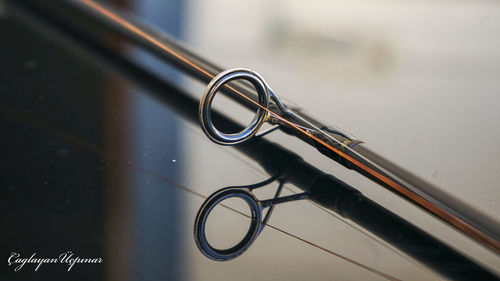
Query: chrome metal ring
{"type": "Point", "coordinates": [201, 218]}
{"type": "Point", "coordinates": [205, 108]}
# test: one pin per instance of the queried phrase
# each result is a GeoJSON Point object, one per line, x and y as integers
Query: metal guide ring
{"type": "Point", "coordinates": [201, 218]}
{"type": "Point", "coordinates": [205, 108]}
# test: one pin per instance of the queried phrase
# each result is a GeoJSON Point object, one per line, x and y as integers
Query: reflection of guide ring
{"type": "Point", "coordinates": [201, 219]}
{"type": "Point", "coordinates": [206, 106]}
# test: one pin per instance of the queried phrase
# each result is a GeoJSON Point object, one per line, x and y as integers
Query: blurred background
{"type": "Point", "coordinates": [417, 81]}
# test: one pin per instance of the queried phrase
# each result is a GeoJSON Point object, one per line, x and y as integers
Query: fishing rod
{"type": "Point", "coordinates": [331, 141]}
{"type": "Point", "coordinates": [283, 165]}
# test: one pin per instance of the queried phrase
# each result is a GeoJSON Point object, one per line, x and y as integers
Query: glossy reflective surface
{"type": "Point", "coordinates": [92, 163]}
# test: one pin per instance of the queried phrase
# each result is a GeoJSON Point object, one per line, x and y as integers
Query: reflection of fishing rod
{"type": "Point", "coordinates": [330, 141]}
{"type": "Point", "coordinates": [321, 188]}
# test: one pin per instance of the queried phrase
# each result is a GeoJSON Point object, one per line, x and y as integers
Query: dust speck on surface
{"type": "Point", "coordinates": [434, 175]}
{"type": "Point", "coordinates": [30, 64]}
{"type": "Point", "coordinates": [64, 151]}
